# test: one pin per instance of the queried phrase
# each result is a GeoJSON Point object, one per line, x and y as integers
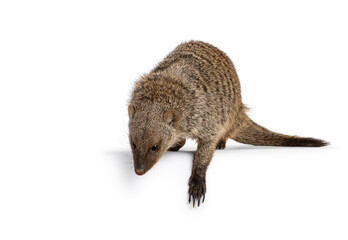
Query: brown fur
{"type": "Point", "coordinates": [194, 93]}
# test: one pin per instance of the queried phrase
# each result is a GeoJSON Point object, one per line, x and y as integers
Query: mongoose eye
{"type": "Point", "coordinates": [133, 145]}
{"type": "Point", "coordinates": [154, 148]}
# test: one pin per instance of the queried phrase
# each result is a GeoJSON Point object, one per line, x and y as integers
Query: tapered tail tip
{"type": "Point", "coordinates": [320, 143]}
{"type": "Point", "coordinates": [305, 142]}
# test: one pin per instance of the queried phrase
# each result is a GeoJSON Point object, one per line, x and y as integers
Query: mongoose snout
{"type": "Point", "coordinates": [140, 171]}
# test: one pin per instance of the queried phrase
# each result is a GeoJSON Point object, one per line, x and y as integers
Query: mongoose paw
{"type": "Point", "coordinates": [177, 146]}
{"type": "Point", "coordinates": [221, 145]}
{"type": "Point", "coordinates": [174, 148]}
{"type": "Point", "coordinates": [197, 189]}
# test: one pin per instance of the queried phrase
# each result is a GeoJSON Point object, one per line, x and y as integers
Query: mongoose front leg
{"type": "Point", "coordinates": [202, 158]}
{"type": "Point", "coordinates": [177, 145]}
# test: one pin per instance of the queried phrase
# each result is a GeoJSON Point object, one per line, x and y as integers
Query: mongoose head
{"type": "Point", "coordinates": [152, 130]}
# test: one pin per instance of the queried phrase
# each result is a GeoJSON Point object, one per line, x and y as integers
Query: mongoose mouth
{"type": "Point", "coordinates": [141, 172]}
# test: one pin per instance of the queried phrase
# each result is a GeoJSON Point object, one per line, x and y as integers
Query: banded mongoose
{"type": "Point", "coordinates": [194, 93]}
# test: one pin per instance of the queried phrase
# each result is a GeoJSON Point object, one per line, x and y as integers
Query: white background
{"type": "Point", "coordinates": [66, 71]}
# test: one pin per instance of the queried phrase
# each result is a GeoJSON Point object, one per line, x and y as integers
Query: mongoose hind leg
{"type": "Point", "coordinates": [202, 158]}
{"type": "Point", "coordinates": [177, 145]}
{"type": "Point", "coordinates": [221, 144]}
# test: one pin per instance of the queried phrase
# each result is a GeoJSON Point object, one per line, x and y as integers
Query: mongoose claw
{"type": "Point", "coordinates": [197, 189]}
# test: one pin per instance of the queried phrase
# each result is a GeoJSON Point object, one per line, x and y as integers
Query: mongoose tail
{"type": "Point", "coordinates": [250, 132]}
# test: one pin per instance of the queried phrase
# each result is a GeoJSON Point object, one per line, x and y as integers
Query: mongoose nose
{"type": "Point", "coordinates": [139, 171]}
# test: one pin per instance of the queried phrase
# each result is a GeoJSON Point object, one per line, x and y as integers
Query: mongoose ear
{"type": "Point", "coordinates": [131, 111]}
{"type": "Point", "coordinates": [172, 118]}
